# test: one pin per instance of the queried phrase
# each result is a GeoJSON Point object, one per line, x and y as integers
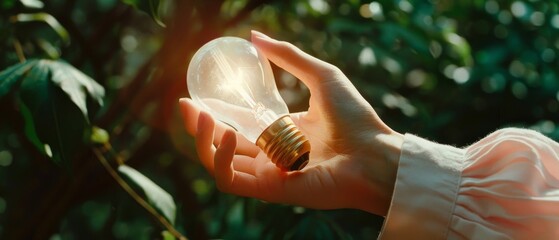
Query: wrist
{"type": "Point", "coordinates": [391, 149]}
{"type": "Point", "coordinates": [381, 170]}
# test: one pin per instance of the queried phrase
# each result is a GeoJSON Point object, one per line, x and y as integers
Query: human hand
{"type": "Point", "coordinates": [354, 155]}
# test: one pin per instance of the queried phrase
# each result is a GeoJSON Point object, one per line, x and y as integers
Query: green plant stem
{"type": "Point", "coordinates": [136, 196]}
{"type": "Point", "coordinates": [19, 50]}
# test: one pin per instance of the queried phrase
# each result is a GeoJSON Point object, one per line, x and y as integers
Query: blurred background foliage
{"type": "Point", "coordinates": [90, 88]}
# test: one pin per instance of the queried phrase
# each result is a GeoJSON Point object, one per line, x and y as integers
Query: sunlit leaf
{"type": "Point", "coordinates": [32, 3]}
{"type": "Point", "coordinates": [48, 48]}
{"type": "Point", "coordinates": [46, 18]}
{"type": "Point", "coordinates": [157, 197]}
{"type": "Point", "coordinates": [75, 84]}
{"type": "Point", "coordinates": [166, 235]}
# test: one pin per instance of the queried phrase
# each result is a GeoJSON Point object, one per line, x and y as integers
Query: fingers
{"type": "Point", "coordinates": [190, 114]}
{"type": "Point", "coordinates": [231, 180]}
{"type": "Point", "coordinates": [204, 141]}
{"type": "Point", "coordinates": [223, 159]}
{"type": "Point", "coordinates": [304, 66]}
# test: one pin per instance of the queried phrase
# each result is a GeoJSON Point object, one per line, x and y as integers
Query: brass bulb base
{"type": "Point", "coordinates": [285, 145]}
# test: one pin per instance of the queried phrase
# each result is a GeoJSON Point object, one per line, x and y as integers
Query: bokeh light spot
{"type": "Point", "coordinates": [391, 65]}
{"type": "Point", "coordinates": [367, 57]}
{"type": "Point", "coordinates": [555, 21]}
{"type": "Point", "coordinates": [517, 69]}
{"type": "Point", "coordinates": [504, 17]}
{"type": "Point", "coordinates": [320, 6]}
{"type": "Point", "coordinates": [416, 78]}
{"type": "Point", "coordinates": [129, 43]}
{"type": "Point", "coordinates": [364, 11]}
{"type": "Point", "coordinates": [519, 90]}
{"type": "Point", "coordinates": [5, 158]}
{"type": "Point", "coordinates": [448, 70]}
{"type": "Point", "coordinates": [372, 10]}
{"type": "Point", "coordinates": [461, 75]}
{"type": "Point", "coordinates": [518, 9]}
{"type": "Point", "coordinates": [405, 6]}
{"type": "Point", "coordinates": [492, 7]}
{"type": "Point", "coordinates": [537, 18]}
{"type": "Point", "coordinates": [435, 49]}
{"type": "Point", "coordinates": [548, 55]}
{"type": "Point", "coordinates": [493, 84]}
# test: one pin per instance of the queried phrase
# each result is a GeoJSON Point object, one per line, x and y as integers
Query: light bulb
{"type": "Point", "coordinates": [229, 78]}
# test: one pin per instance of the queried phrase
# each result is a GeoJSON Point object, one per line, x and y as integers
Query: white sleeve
{"type": "Point", "coordinates": [505, 186]}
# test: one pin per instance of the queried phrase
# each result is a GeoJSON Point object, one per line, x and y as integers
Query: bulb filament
{"type": "Point", "coordinates": [235, 84]}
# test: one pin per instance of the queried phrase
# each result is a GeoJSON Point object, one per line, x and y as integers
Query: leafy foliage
{"type": "Point", "coordinates": [451, 71]}
{"type": "Point", "coordinates": [53, 123]}
{"type": "Point", "coordinates": [157, 197]}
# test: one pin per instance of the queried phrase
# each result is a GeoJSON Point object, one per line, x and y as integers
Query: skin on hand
{"type": "Point", "coordinates": [354, 156]}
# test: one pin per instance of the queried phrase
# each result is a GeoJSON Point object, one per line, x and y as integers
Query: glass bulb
{"type": "Point", "coordinates": [229, 78]}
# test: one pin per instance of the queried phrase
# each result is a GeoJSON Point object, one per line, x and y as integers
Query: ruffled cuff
{"type": "Point", "coordinates": [426, 189]}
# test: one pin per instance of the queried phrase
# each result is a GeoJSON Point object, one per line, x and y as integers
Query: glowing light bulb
{"type": "Point", "coordinates": [229, 78]}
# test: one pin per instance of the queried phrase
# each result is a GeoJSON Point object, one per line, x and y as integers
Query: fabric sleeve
{"type": "Point", "coordinates": [505, 186]}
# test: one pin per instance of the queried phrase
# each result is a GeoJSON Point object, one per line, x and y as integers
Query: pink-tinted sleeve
{"type": "Point", "coordinates": [505, 186]}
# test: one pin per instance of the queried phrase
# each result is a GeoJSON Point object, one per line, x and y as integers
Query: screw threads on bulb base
{"type": "Point", "coordinates": [285, 145]}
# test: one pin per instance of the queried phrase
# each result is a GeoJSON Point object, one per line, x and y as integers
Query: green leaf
{"type": "Point", "coordinates": [153, 7]}
{"type": "Point", "coordinates": [157, 197]}
{"type": "Point", "coordinates": [58, 123]}
{"type": "Point", "coordinates": [46, 18]}
{"type": "Point", "coordinates": [76, 84]}
{"type": "Point", "coordinates": [52, 99]}
{"type": "Point", "coordinates": [166, 235]}
{"type": "Point", "coordinates": [32, 3]}
{"type": "Point", "coordinates": [10, 76]}
{"type": "Point", "coordinates": [29, 128]}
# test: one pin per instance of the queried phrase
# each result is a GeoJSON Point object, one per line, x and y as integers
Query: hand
{"type": "Point", "coordinates": [354, 155]}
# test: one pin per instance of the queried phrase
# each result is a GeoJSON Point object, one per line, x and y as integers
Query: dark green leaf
{"type": "Point", "coordinates": [30, 131]}
{"type": "Point", "coordinates": [75, 84]}
{"type": "Point", "coordinates": [59, 124]}
{"type": "Point", "coordinates": [157, 197]}
{"type": "Point", "coordinates": [52, 99]}
{"type": "Point", "coordinates": [10, 76]}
